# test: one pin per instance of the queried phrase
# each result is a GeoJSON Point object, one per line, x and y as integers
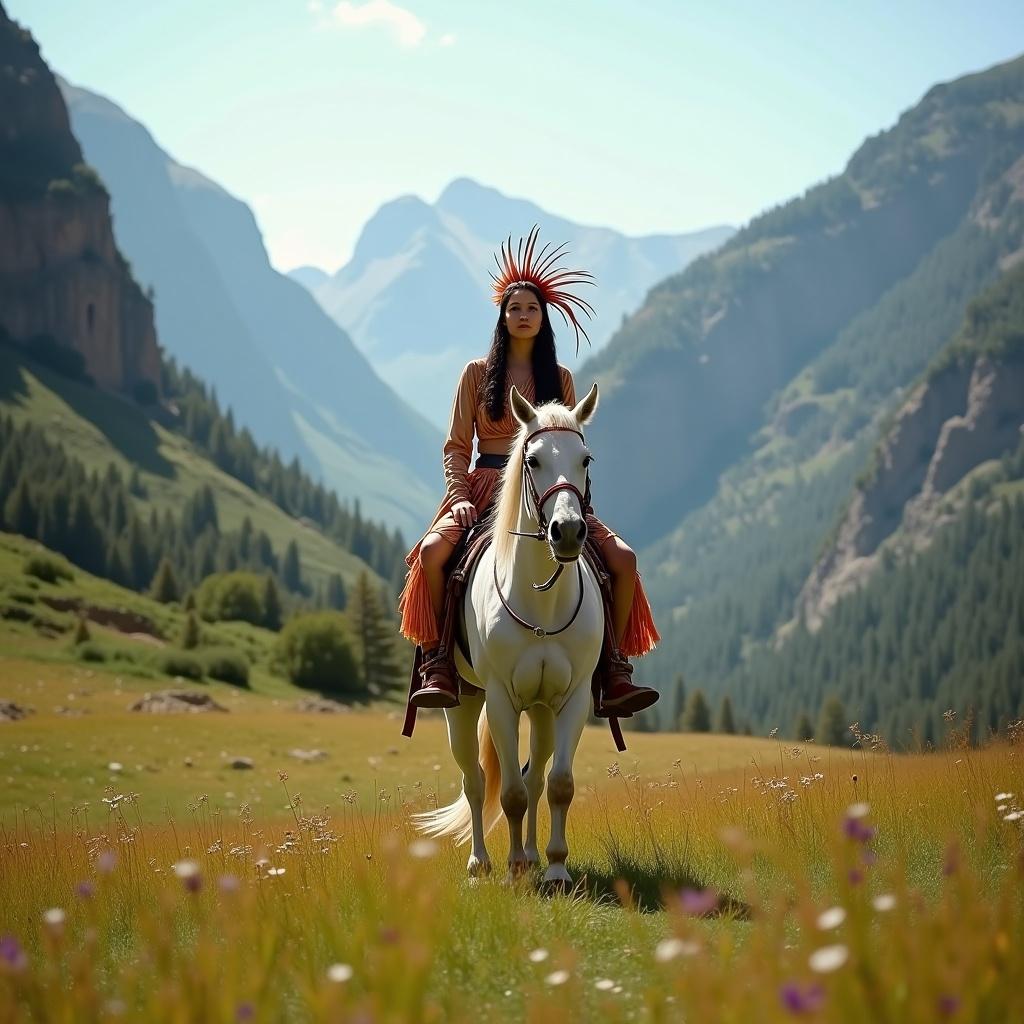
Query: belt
{"type": "Point", "coordinates": [487, 460]}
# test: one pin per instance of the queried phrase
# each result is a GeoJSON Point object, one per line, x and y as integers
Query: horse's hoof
{"type": "Point", "coordinates": [557, 879]}
{"type": "Point", "coordinates": [478, 867]}
{"type": "Point", "coordinates": [517, 869]}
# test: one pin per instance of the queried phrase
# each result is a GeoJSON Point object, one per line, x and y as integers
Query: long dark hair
{"type": "Point", "coordinates": [547, 381]}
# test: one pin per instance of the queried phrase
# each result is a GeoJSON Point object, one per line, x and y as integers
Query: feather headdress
{"type": "Point", "coordinates": [539, 270]}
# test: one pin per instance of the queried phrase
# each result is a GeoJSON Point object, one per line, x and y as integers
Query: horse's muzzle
{"type": "Point", "coordinates": [566, 538]}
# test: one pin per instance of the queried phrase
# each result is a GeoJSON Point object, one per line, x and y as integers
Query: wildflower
{"type": "Point", "coordinates": [800, 1000]}
{"type": "Point", "coordinates": [1013, 816]}
{"type": "Point", "coordinates": [831, 918]}
{"type": "Point", "coordinates": [1003, 796]}
{"type": "Point", "coordinates": [948, 1004]}
{"type": "Point", "coordinates": [106, 861]}
{"type": "Point", "coordinates": [189, 873]}
{"type": "Point", "coordinates": [698, 901]}
{"type": "Point", "coordinates": [672, 949]}
{"type": "Point", "coordinates": [538, 956]}
{"type": "Point", "coordinates": [339, 973]}
{"type": "Point", "coordinates": [244, 1012]}
{"type": "Point", "coordinates": [557, 978]}
{"type": "Point", "coordinates": [85, 889]}
{"type": "Point", "coordinates": [282, 776]}
{"type": "Point", "coordinates": [275, 871]}
{"type": "Point", "coordinates": [828, 959]}
{"type": "Point", "coordinates": [861, 809]}
{"type": "Point", "coordinates": [423, 849]}
{"type": "Point", "coordinates": [12, 956]}
{"type": "Point", "coordinates": [228, 883]}
{"type": "Point", "coordinates": [884, 901]}
{"type": "Point", "coordinates": [855, 876]}
{"type": "Point", "coordinates": [604, 985]}
{"type": "Point", "coordinates": [115, 766]}
{"type": "Point", "coordinates": [613, 770]}
{"type": "Point", "coordinates": [773, 733]}
{"type": "Point", "coordinates": [855, 828]}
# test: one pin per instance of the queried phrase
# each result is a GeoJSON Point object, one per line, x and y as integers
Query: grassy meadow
{"type": "Point", "coordinates": [719, 878]}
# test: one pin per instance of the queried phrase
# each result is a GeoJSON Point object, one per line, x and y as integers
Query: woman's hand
{"type": "Point", "coordinates": [464, 513]}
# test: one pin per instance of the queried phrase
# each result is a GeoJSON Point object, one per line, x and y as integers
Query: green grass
{"type": "Point", "coordinates": [99, 428]}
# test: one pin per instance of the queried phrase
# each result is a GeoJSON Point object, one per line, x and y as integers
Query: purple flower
{"type": "Point", "coordinates": [388, 936]}
{"type": "Point", "coordinates": [245, 1011]}
{"type": "Point", "coordinates": [12, 954]}
{"type": "Point", "coordinates": [855, 876]}
{"type": "Point", "coordinates": [698, 901]}
{"type": "Point", "coordinates": [857, 830]}
{"type": "Point", "coordinates": [228, 883]}
{"type": "Point", "coordinates": [798, 1000]}
{"type": "Point", "coordinates": [948, 1004]}
{"type": "Point", "coordinates": [85, 889]}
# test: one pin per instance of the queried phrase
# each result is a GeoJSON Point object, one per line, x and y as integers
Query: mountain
{"type": "Point", "coordinates": [63, 284]}
{"type": "Point", "coordinates": [309, 277]}
{"type": "Point", "coordinates": [712, 345]}
{"type": "Point", "coordinates": [286, 370]}
{"type": "Point", "coordinates": [416, 294]}
{"type": "Point", "coordinates": [774, 366]}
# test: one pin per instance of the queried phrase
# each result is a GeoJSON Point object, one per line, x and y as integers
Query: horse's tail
{"type": "Point", "coordinates": [456, 819]}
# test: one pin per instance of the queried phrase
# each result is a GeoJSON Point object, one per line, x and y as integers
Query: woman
{"type": "Point", "coordinates": [522, 353]}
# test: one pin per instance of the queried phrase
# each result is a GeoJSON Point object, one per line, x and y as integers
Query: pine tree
{"type": "Point", "coordinates": [19, 511]}
{"type": "Point", "coordinates": [832, 723]}
{"type": "Point", "coordinates": [804, 729]}
{"type": "Point", "coordinates": [190, 601]}
{"type": "Point", "coordinates": [271, 605]}
{"type": "Point", "coordinates": [678, 703]}
{"type": "Point", "coordinates": [336, 597]}
{"type": "Point", "coordinates": [291, 571]}
{"type": "Point", "coordinates": [374, 637]}
{"type": "Point", "coordinates": [726, 722]}
{"type": "Point", "coordinates": [190, 635]}
{"type": "Point", "coordinates": [164, 587]}
{"type": "Point", "coordinates": [698, 715]}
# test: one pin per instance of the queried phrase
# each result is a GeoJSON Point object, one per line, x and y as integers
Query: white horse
{"type": "Point", "coordinates": [534, 622]}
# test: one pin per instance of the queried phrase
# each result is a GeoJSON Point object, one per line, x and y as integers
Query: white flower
{"type": "Point", "coordinates": [858, 810]}
{"type": "Point", "coordinates": [831, 918]}
{"type": "Point", "coordinates": [276, 871]}
{"type": "Point", "coordinates": [339, 973]}
{"type": "Point", "coordinates": [423, 849]}
{"type": "Point", "coordinates": [557, 977]}
{"type": "Point", "coordinates": [538, 956]}
{"type": "Point", "coordinates": [604, 985]}
{"type": "Point", "coordinates": [54, 917]}
{"type": "Point", "coordinates": [1013, 816]}
{"type": "Point", "coordinates": [115, 766]}
{"type": "Point", "coordinates": [186, 869]}
{"type": "Point", "coordinates": [1003, 796]}
{"type": "Point", "coordinates": [884, 901]}
{"type": "Point", "coordinates": [828, 958]}
{"type": "Point", "coordinates": [670, 949]}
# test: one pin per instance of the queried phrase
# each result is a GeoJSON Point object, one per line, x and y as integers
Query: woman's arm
{"type": "Point", "coordinates": [458, 447]}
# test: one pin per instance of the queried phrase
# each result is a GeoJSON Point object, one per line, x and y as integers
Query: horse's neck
{"type": "Point", "coordinates": [532, 563]}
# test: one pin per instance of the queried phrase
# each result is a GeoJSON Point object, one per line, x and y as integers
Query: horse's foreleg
{"type": "Point", "coordinates": [462, 735]}
{"type": "Point", "coordinates": [568, 730]}
{"type": "Point", "coordinates": [503, 720]}
{"type": "Point", "coordinates": [542, 743]}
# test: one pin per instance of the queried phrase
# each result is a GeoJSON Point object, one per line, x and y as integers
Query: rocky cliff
{"type": "Point", "coordinates": [968, 410]}
{"type": "Point", "coordinates": [61, 275]}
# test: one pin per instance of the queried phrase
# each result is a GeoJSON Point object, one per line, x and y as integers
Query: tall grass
{"type": "Point", "coordinates": [883, 889]}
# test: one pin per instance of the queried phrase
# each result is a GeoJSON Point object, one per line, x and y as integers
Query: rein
{"type": "Point", "coordinates": [541, 534]}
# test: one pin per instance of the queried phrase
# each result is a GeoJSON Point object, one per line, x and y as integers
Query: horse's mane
{"type": "Point", "coordinates": [506, 515]}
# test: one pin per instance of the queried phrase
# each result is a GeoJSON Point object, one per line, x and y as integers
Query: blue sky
{"type": "Point", "coordinates": [645, 116]}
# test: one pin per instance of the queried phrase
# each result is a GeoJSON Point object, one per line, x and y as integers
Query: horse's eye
{"type": "Point", "coordinates": [533, 462]}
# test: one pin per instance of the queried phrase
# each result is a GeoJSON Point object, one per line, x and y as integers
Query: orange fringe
{"type": "Point", "coordinates": [418, 622]}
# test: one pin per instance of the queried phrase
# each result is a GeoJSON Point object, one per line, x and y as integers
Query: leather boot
{"type": "Point", "coordinates": [440, 682]}
{"type": "Point", "coordinates": [619, 697]}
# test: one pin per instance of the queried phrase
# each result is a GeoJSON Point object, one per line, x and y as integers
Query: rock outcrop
{"type": "Point", "coordinates": [61, 275]}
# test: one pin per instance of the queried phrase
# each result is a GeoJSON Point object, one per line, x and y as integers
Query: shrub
{"type": "Point", "coordinates": [231, 595]}
{"type": "Point", "coordinates": [82, 634]}
{"type": "Point", "coordinates": [227, 665]}
{"type": "Point", "coordinates": [315, 650]}
{"type": "Point", "coordinates": [90, 652]}
{"type": "Point", "coordinates": [48, 568]}
{"type": "Point", "coordinates": [180, 663]}
{"type": "Point", "coordinates": [190, 633]}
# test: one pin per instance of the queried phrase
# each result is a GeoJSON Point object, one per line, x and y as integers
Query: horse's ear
{"type": "Point", "coordinates": [586, 408]}
{"type": "Point", "coordinates": [521, 408]}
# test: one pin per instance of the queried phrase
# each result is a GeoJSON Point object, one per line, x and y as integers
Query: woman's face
{"type": "Point", "coordinates": [522, 314]}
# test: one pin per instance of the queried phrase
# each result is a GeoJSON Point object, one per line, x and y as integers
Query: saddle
{"type": "Point", "coordinates": [473, 543]}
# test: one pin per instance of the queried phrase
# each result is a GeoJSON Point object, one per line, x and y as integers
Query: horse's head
{"type": "Point", "coordinates": [555, 458]}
